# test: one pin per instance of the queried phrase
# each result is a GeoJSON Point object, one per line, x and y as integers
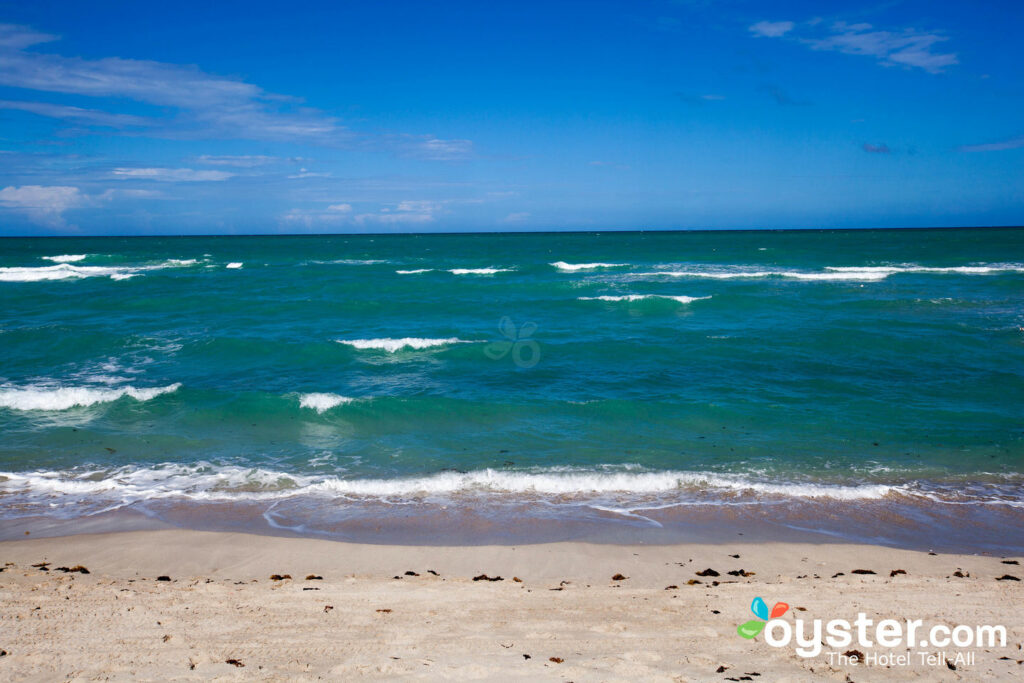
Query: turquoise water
{"type": "Point", "coordinates": [334, 385]}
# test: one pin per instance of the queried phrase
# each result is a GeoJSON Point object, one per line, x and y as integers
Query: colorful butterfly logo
{"type": "Point", "coordinates": [751, 628]}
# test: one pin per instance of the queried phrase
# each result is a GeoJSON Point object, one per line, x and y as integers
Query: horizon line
{"type": "Point", "coordinates": [515, 232]}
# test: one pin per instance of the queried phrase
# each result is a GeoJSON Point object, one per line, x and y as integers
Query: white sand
{"type": "Point", "coordinates": [119, 623]}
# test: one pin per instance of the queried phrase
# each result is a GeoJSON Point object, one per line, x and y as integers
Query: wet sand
{"type": "Point", "coordinates": [416, 611]}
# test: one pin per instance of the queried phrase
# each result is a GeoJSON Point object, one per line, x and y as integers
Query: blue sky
{"type": "Point", "coordinates": [232, 117]}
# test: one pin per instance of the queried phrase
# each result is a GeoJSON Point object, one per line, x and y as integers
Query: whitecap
{"type": "Point", "coordinates": [234, 264]}
{"type": "Point", "coordinates": [322, 402]}
{"type": "Point", "coordinates": [478, 271]}
{"type": "Point", "coordinates": [393, 345]}
{"type": "Point", "coordinates": [66, 258]}
{"type": "Point", "coordinates": [638, 297]}
{"type": "Point", "coordinates": [572, 267]}
{"type": "Point", "coordinates": [63, 398]}
{"type": "Point", "coordinates": [413, 272]}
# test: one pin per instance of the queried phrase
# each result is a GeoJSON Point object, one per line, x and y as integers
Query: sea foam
{"type": "Point", "coordinates": [572, 267]}
{"type": "Point", "coordinates": [413, 272]}
{"type": "Point", "coordinates": [65, 271]}
{"type": "Point", "coordinates": [322, 402]}
{"type": "Point", "coordinates": [478, 271]}
{"type": "Point", "coordinates": [63, 398]}
{"type": "Point", "coordinates": [234, 264]}
{"type": "Point", "coordinates": [66, 258]}
{"type": "Point", "coordinates": [204, 481]}
{"type": "Point", "coordinates": [639, 297]}
{"type": "Point", "coordinates": [393, 345]}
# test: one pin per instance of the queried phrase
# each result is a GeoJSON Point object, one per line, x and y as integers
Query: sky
{"type": "Point", "coordinates": [132, 118]}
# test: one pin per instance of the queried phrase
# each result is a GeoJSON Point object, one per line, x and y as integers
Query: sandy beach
{"type": "Point", "coordinates": [560, 611]}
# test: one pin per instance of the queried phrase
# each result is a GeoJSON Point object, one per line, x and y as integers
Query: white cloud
{"type": "Point", "coordinates": [92, 117]}
{"type": "Point", "coordinates": [1002, 145]}
{"type": "Point", "coordinates": [242, 161]}
{"type": "Point", "coordinates": [343, 208]}
{"type": "Point", "coordinates": [517, 217]}
{"type": "Point", "coordinates": [198, 104]}
{"type": "Point", "coordinates": [907, 47]}
{"type": "Point", "coordinates": [409, 211]}
{"type": "Point", "coordinates": [430, 148]}
{"type": "Point", "coordinates": [44, 205]}
{"type": "Point", "coordinates": [171, 175]}
{"type": "Point", "coordinates": [771, 29]}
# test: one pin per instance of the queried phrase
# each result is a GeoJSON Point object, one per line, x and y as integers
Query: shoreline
{"type": "Point", "coordinates": [220, 604]}
{"type": "Point", "coordinates": [950, 529]}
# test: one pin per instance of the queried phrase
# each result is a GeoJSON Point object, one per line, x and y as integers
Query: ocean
{"type": "Point", "coordinates": [862, 385]}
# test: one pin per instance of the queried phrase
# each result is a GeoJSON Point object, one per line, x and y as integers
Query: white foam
{"type": "Point", "coordinates": [413, 272]}
{"type": "Point", "coordinates": [203, 481]}
{"type": "Point", "coordinates": [63, 398]}
{"type": "Point", "coordinates": [62, 271]}
{"type": "Point", "coordinates": [733, 274]}
{"type": "Point", "coordinates": [393, 345]}
{"type": "Point", "coordinates": [478, 271]}
{"type": "Point", "coordinates": [65, 271]}
{"type": "Point", "coordinates": [234, 264]}
{"type": "Point", "coordinates": [833, 273]}
{"type": "Point", "coordinates": [322, 402]}
{"type": "Point", "coordinates": [66, 258]}
{"type": "Point", "coordinates": [572, 267]}
{"type": "Point", "coordinates": [913, 268]}
{"type": "Point", "coordinates": [638, 297]}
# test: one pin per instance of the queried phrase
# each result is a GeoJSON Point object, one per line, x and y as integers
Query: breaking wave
{"type": "Point", "coordinates": [393, 345]}
{"type": "Point", "coordinates": [63, 398]}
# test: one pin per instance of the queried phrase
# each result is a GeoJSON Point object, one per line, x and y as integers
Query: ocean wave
{"type": "Point", "coordinates": [66, 258]}
{"type": "Point", "coordinates": [832, 273]}
{"type": "Point", "coordinates": [322, 402]}
{"type": "Point", "coordinates": [858, 275]}
{"type": "Point", "coordinates": [639, 297]}
{"type": "Point", "coordinates": [413, 272]}
{"type": "Point", "coordinates": [62, 271]}
{"type": "Point", "coordinates": [206, 481]}
{"type": "Point", "coordinates": [912, 268]}
{"type": "Point", "coordinates": [619, 486]}
{"type": "Point", "coordinates": [393, 345]}
{"type": "Point", "coordinates": [65, 271]}
{"type": "Point", "coordinates": [234, 264]}
{"type": "Point", "coordinates": [478, 271]}
{"type": "Point", "coordinates": [572, 267]}
{"type": "Point", "coordinates": [63, 398]}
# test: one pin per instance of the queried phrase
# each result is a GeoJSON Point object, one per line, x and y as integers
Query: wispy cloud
{"type": "Point", "coordinates": [430, 148]}
{"type": "Point", "coordinates": [771, 29]}
{"type": "Point", "coordinates": [196, 104]}
{"type": "Point", "coordinates": [243, 161]}
{"type": "Point", "coordinates": [90, 117]}
{"type": "Point", "coordinates": [876, 149]}
{"type": "Point", "coordinates": [907, 47]}
{"type": "Point", "coordinates": [699, 99]}
{"type": "Point", "coordinates": [404, 212]}
{"type": "Point", "coordinates": [413, 211]}
{"type": "Point", "coordinates": [171, 175]}
{"type": "Point", "coordinates": [998, 146]}
{"type": "Point", "coordinates": [516, 218]}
